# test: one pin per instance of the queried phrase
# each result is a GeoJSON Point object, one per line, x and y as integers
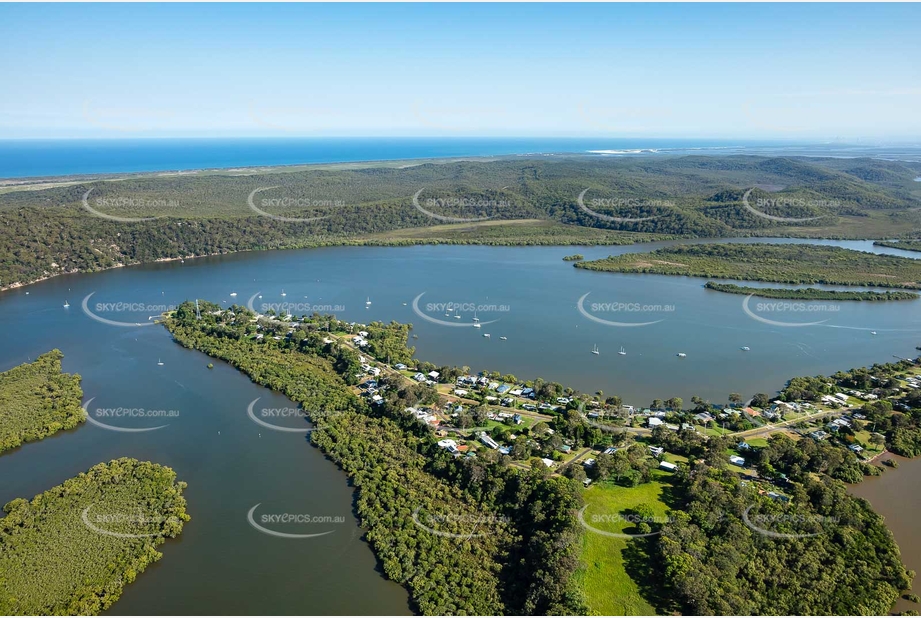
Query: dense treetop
{"type": "Point", "coordinates": [37, 399]}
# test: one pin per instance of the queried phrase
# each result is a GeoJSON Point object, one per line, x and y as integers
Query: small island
{"type": "Point", "coordinates": [809, 293]}
{"type": "Point", "coordinates": [73, 548]}
{"type": "Point", "coordinates": [904, 245]}
{"type": "Point", "coordinates": [574, 258]}
{"type": "Point", "coordinates": [37, 400]}
{"type": "Point", "coordinates": [786, 263]}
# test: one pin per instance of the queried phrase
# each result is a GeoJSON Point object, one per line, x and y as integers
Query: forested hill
{"type": "Point", "coordinates": [83, 225]}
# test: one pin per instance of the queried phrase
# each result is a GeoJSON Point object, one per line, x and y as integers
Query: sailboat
{"type": "Point", "coordinates": [66, 304]}
{"type": "Point", "coordinates": [622, 352]}
{"type": "Point", "coordinates": [595, 349]}
{"type": "Point", "coordinates": [368, 302]}
{"type": "Point", "coordinates": [475, 319]}
{"type": "Point", "coordinates": [477, 325]}
{"type": "Point", "coordinates": [283, 292]}
{"type": "Point", "coordinates": [159, 362]}
{"type": "Point", "coordinates": [233, 293]}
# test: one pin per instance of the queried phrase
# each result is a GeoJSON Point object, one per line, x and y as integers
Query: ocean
{"type": "Point", "coordinates": [66, 157]}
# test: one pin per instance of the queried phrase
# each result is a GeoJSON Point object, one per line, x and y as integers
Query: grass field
{"type": "Point", "coordinates": [523, 231]}
{"type": "Point", "coordinates": [605, 574]}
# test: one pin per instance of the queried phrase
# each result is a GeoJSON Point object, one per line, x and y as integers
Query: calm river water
{"type": "Point", "coordinates": [222, 564]}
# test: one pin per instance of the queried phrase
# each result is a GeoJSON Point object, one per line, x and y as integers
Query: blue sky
{"type": "Point", "coordinates": [663, 70]}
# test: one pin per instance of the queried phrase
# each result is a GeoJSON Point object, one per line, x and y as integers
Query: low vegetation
{"type": "Point", "coordinates": [72, 549]}
{"type": "Point", "coordinates": [787, 263]}
{"type": "Point", "coordinates": [609, 564]}
{"type": "Point", "coordinates": [510, 542]}
{"type": "Point", "coordinates": [37, 400]}
{"type": "Point", "coordinates": [524, 201]}
{"type": "Point", "coordinates": [904, 245]}
{"type": "Point", "coordinates": [809, 293]}
{"type": "Point", "coordinates": [825, 552]}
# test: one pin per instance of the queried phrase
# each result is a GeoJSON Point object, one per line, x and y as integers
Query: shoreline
{"type": "Point", "coordinates": [45, 181]}
{"type": "Point", "coordinates": [37, 183]}
{"type": "Point", "coordinates": [890, 497]}
{"type": "Point", "coordinates": [405, 242]}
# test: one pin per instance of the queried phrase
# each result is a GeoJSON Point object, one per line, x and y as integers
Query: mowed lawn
{"type": "Point", "coordinates": [608, 589]}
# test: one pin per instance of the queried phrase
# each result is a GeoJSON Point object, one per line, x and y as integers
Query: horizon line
{"type": "Point", "coordinates": [801, 140]}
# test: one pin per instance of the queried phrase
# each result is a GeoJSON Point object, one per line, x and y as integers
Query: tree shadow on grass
{"type": "Point", "coordinates": [643, 567]}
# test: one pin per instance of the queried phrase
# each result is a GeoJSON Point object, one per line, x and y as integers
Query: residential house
{"type": "Point", "coordinates": [485, 439]}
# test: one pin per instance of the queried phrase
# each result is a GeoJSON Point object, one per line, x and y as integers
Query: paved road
{"type": "Point", "coordinates": [767, 430]}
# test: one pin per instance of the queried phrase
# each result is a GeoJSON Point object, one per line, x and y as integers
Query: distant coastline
{"type": "Point", "coordinates": [61, 158]}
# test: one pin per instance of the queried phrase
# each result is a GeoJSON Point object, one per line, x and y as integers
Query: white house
{"type": "Point", "coordinates": [450, 445]}
{"type": "Point", "coordinates": [485, 439]}
{"type": "Point", "coordinates": [667, 465]}
{"type": "Point", "coordinates": [653, 421]}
